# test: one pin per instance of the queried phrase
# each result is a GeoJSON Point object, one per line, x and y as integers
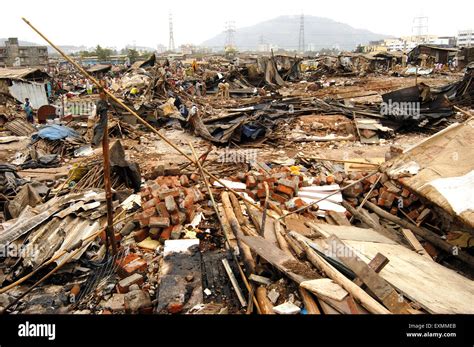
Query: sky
{"type": "Point", "coordinates": [117, 23]}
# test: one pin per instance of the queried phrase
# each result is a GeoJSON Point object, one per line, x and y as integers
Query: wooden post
{"type": "Point", "coordinates": [110, 235]}
{"type": "Point", "coordinates": [265, 304]}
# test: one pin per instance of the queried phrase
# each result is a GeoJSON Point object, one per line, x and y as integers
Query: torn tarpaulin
{"type": "Point", "coordinates": [129, 172]}
{"type": "Point", "coordinates": [56, 132]}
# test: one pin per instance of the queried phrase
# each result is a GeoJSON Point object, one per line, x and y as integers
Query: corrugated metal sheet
{"type": "Point", "coordinates": [33, 91]}
{"type": "Point", "coordinates": [20, 73]}
{"type": "Point", "coordinates": [20, 127]}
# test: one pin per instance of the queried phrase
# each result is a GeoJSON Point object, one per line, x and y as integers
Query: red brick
{"type": "Point", "coordinates": [143, 221]}
{"type": "Point", "coordinates": [130, 264]}
{"type": "Point", "coordinates": [159, 222]}
{"type": "Point", "coordinates": [148, 204]}
{"type": "Point", "coordinates": [162, 211]}
{"type": "Point", "coordinates": [299, 203]}
{"type": "Point", "coordinates": [330, 180]}
{"type": "Point", "coordinates": [149, 212]}
{"type": "Point", "coordinates": [198, 196]}
{"type": "Point", "coordinates": [187, 202]}
{"type": "Point", "coordinates": [285, 190]}
{"type": "Point", "coordinates": [178, 217]}
{"type": "Point", "coordinates": [174, 192]}
{"type": "Point", "coordinates": [176, 232]}
{"type": "Point", "coordinates": [251, 182]}
{"type": "Point", "coordinates": [124, 284]}
{"type": "Point", "coordinates": [194, 177]}
{"type": "Point", "coordinates": [174, 307]}
{"type": "Point", "coordinates": [140, 235]}
{"type": "Point", "coordinates": [170, 204]}
{"type": "Point", "coordinates": [278, 198]}
{"type": "Point", "coordinates": [413, 214]}
{"type": "Point", "coordinates": [261, 193]}
{"type": "Point", "coordinates": [184, 180]}
{"type": "Point", "coordinates": [190, 213]}
{"type": "Point", "coordinates": [154, 233]}
{"type": "Point", "coordinates": [165, 234]}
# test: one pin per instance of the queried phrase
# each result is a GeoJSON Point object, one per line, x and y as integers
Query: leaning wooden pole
{"type": "Point", "coordinates": [107, 183]}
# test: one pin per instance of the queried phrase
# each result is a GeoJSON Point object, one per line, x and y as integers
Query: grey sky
{"type": "Point", "coordinates": [116, 23]}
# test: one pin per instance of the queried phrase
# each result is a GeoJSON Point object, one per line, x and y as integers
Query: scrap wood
{"type": "Point", "coordinates": [264, 303]}
{"type": "Point", "coordinates": [411, 238]}
{"type": "Point", "coordinates": [296, 270]}
{"type": "Point", "coordinates": [365, 300]}
{"type": "Point", "coordinates": [425, 234]}
{"type": "Point", "coordinates": [325, 287]}
{"type": "Point", "coordinates": [381, 288]}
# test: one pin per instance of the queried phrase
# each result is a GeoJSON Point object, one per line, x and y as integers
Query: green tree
{"type": "Point", "coordinates": [133, 55]}
{"type": "Point", "coordinates": [103, 53]}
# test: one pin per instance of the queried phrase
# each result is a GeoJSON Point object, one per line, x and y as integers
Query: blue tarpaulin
{"type": "Point", "coordinates": [56, 132]}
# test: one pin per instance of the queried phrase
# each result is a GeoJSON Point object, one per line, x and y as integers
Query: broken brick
{"type": "Point", "coordinates": [159, 222]}
{"type": "Point", "coordinates": [176, 232]}
{"type": "Point", "coordinates": [170, 204]}
{"type": "Point", "coordinates": [124, 284]}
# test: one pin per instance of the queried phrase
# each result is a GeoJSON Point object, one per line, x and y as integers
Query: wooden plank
{"type": "Point", "coordinates": [380, 287]}
{"type": "Point", "coordinates": [377, 264]}
{"type": "Point", "coordinates": [264, 303]}
{"type": "Point", "coordinates": [339, 218]}
{"type": "Point", "coordinates": [434, 287]}
{"type": "Point", "coordinates": [309, 302]}
{"type": "Point", "coordinates": [294, 269]}
{"type": "Point", "coordinates": [350, 233]}
{"type": "Point", "coordinates": [325, 287]}
{"type": "Point", "coordinates": [367, 301]}
{"type": "Point", "coordinates": [413, 241]}
{"type": "Point", "coordinates": [234, 282]}
{"type": "Point", "coordinates": [346, 306]}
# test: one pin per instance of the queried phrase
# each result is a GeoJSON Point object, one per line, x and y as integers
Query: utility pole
{"type": "Point", "coordinates": [171, 39]}
{"type": "Point", "coordinates": [229, 37]}
{"type": "Point", "coordinates": [420, 27]}
{"type": "Point", "coordinates": [301, 46]}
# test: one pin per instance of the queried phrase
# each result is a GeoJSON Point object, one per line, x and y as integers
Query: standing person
{"type": "Point", "coordinates": [29, 111]}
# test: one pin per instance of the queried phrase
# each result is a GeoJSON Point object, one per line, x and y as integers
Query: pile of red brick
{"type": "Point", "coordinates": [388, 194]}
{"type": "Point", "coordinates": [283, 185]}
{"type": "Point", "coordinates": [168, 203]}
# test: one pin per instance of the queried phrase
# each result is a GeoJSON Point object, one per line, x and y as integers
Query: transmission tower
{"type": "Point", "coordinates": [229, 34]}
{"type": "Point", "coordinates": [171, 40]}
{"type": "Point", "coordinates": [301, 46]}
{"type": "Point", "coordinates": [420, 26]}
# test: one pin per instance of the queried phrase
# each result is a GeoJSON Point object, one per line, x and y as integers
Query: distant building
{"type": "Point", "coordinates": [266, 47]}
{"type": "Point", "coordinates": [12, 54]}
{"type": "Point", "coordinates": [466, 38]}
{"type": "Point", "coordinates": [407, 43]}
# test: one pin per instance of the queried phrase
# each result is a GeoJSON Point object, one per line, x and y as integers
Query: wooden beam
{"type": "Point", "coordinates": [380, 287]}
{"type": "Point", "coordinates": [309, 301]}
{"type": "Point", "coordinates": [365, 299]}
{"type": "Point", "coordinates": [413, 241]}
{"type": "Point", "coordinates": [425, 234]}
{"type": "Point", "coordinates": [264, 303]}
